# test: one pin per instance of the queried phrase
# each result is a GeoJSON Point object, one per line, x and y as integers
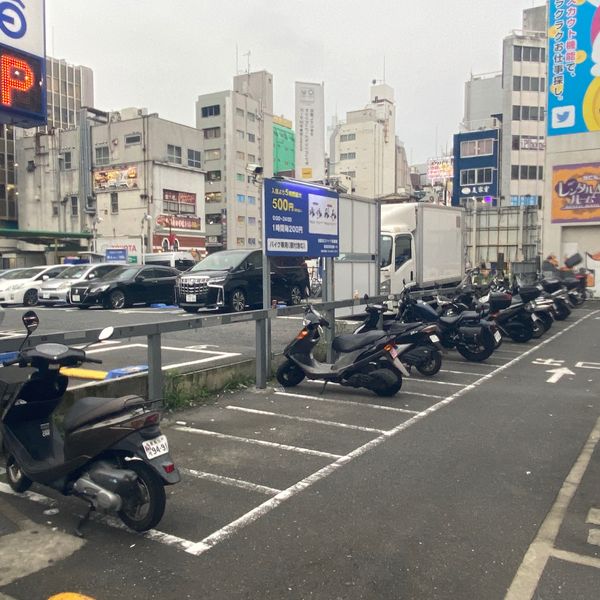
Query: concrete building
{"type": "Point", "coordinates": [483, 98]}
{"type": "Point", "coordinates": [284, 147]}
{"type": "Point", "coordinates": [134, 177]}
{"type": "Point", "coordinates": [237, 131]}
{"type": "Point", "coordinates": [364, 147]}
{"type": "Point", "coordinates": [69, 87]}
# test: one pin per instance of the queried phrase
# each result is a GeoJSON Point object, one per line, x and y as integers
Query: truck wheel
{"type": "Point", "coordinates": [295, 296]}
{"type": "Point", "coordinates": [237, 301]}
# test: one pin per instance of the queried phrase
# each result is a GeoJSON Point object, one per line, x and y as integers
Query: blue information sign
{"type": "Point", "coordinates": [300, 219]}
{"type": "Point", "coordinates": [116, 255]}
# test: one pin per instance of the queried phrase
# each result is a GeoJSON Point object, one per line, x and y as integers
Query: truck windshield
{"type": "Point", "coordinates": [385, 248]}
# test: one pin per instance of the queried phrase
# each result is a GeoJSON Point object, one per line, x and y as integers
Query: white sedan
{"type": "Point", "coordinates": [22, 285]}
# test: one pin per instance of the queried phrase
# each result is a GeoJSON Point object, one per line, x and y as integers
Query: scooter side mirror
{"type": "Point", "coordinates": [106, 333]}
{"type": "Point", "coordinates": [31, 321]}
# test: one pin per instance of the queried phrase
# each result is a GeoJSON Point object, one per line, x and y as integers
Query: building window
{"type": "Point", "coordinates": [240, 155]}
{"type": "Point", "coordinates": [349, 173]}
{"type": "Point", "coordinates": [193, 158]}
{"type": "Point", "coordinates": [214, 154]}
{"type": "Point", "coordinates": [251, 158]}
{"type": "Point", "coordinates": [239, 112]}
{"type": "Point", "coordinates": [240, 134]}
{"type": "Point", "coordinates": [74, 206]}
{"type": "Point", "coordinates": [240, 198]}
{"type": "Point", "coordinates": [251, 241]}
{"type": "Point", "coordinates": [102, 156]}
{"type": "Point", "coordinates": [514, 172]}
{"type": "Point", "coordinates": [518, 53]}
{"type": "Point", "coordinates": [347, 155]}
{"type": "Point", "coordinates": [241, 220]}
{"type": "Point", "coordinates": [241, 241]}
{"type": "Point", "coordinates": [67, 161]}
{"type": "Point", "coordinates": [528, 142]}
{"type": "Point", "coordinates": [114, 203]}
{"type": "Point", "coordinates": [347, 137]}
{"type": "Point", "coordinates": [527, 172]}
{"type": "Point", "coordinates": [477, 147]}
{"type": "Point", "coordinates": [174, 154]}
{"type": "Point", "coordinates": [212, 133]}
{"type": "Point", "coordinates": [213, 175]}
{"type": "Point", "coordinates": [251, 200]}
{"type": "Point", "coordinates": [213, 197]}
{"type": "Point", "coordinates": [178, 203]}
{"type": "Point", "coordinates": [134, 138]}
{"type": "Point", "coordinates": [251, 137]}
{"type": "Point", "coordinates": [240, 177]}
{"type": "Point", "coordinates": [214, 219]}
{"type": "Point", "coordinates": [55, 210]}
{"type": "Point", "coordinates": [251, 116]}
{"type": "Point", "coordinates": [529, 54]}
{"type": "Point", "coordinates": [251, 220]}
{"type": "Point", "coordinates": [476, 176]}
{"type": "Point", "coordinates": [528, 113]}
{"type": "Point", "coordinates": [211, 111]}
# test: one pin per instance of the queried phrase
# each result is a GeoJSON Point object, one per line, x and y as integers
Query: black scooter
{"type": "Point", "coordinates": [369, 360]}
{"type": "Point", "coordinates": [113, 455]}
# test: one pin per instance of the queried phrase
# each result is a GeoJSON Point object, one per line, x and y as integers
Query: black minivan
{"type": "Point", "coordinates": [232, 279]}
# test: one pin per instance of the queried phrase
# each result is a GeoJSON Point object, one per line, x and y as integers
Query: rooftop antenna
{"type": "Point", "coordinates": [384, 69]}
{"type": "Point", "coordinates": [237, 62]}
{"type": "Point", "coordinates": [248, 63]}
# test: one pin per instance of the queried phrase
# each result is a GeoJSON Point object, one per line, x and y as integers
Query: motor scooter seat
{"type": "Point", "coordinates": [470, 315]}
{"type": "Point", "coordinates": [88, 410]}
{"type": "Point", "coordinates": [451, 320]}
{"type": "Point", "coordinates": [395, 327]}
{"type": "Point", "coordinates": [351, 342]}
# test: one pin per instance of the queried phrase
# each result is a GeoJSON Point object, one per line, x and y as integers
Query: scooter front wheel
{"type": "Point", "coordinates": [145, 508]}
{"type": "Point", "coordinates": [289, 374]}
{"type": "Point", "coordinates": [388, 381]}
{"type": "Point", "coordinates": [17, 480]}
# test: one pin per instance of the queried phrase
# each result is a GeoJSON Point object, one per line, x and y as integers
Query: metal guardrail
{"type": "Point", "coordinates": [154, 332]}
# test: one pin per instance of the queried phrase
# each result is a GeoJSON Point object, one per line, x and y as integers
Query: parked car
{"type": "Point", "coordinates": [57, 290]}
{"type": "Point", "coordinates": [182, 261]}
{"type": "Point", "coordinates": [127, 285]}
{"type": "Point", "coordinates": [232, 279]}
{"type": "Point", "coordinates": [21, 286]}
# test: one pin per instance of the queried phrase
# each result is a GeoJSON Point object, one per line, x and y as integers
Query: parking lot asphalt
{"type": "Point", "coordinates": [482, 482]}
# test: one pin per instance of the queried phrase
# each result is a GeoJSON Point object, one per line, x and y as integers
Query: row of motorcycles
{"type": "Point", "coordinates": [386, 346]}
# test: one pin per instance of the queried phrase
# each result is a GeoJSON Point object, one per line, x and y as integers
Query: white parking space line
{"type": "Point", "coordinates": [238, 483]}
{"type": "Point", "coordinates": [466, 362]}
{"type": "Point", "coordinates": [346, 402]}
{"type": "Point", "coordinates": [579, 559]}
{"type": "Point", "coordinates": [261, 510]}
{"type": "Point", "coordinates": [434, 381]}
{"type": "Point", "coordinates": [319, 383]}
{"type": "Point", "coordinates": [152, 534]}
{"type": "Point", "coordinates": [305, 419]}
{"type": "Point", "coordinates": [534, 562]}
{"type": "Point", "coordinates": [255, 442]}
{"type": "Point", "coordinates": [460, 372]}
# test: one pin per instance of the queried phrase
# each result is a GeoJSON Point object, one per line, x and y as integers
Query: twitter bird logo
{"type": "Point", "coordinates": [563, 116]}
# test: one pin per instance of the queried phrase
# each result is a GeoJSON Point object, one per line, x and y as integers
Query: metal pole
{"type": "Point", "coordinates": [155, 378]}
{"type": "Point", "coordinates": [330, 314]}
{"type": "Point", "coordinates": [266, 288]}
{"type": "Point", "coordinates": [261, 353]}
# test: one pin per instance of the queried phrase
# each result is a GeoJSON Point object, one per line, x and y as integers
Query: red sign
{"type": "Point", "coordinates": [22, 88]}
{"type": "Point", "coordinates": [179, 222]}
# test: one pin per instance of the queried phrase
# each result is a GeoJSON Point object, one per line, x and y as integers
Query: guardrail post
{"type": "Point", "coordinates": [155, 376]}
{"type": "Point", "coordinates": [261, 352]}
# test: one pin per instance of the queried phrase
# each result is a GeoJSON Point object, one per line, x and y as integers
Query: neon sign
{"type": "Point", "coordinates": [22, 88]}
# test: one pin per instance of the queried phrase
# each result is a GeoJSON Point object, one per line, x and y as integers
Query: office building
{"type": "Point", "coordinates": [237, 131]}
{"type": "Point", "coordinates": [284, 147]}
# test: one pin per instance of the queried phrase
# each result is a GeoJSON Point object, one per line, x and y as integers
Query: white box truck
{"type": "Point", "coordinates": [421, 243]}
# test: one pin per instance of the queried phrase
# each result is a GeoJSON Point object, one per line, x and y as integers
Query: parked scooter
{"type": "Point", "coordinates": [369, 361]}
{"type": "Point", "coordinates": [424, 347]}
{"type": "Point", "coordinates": [113, 455]}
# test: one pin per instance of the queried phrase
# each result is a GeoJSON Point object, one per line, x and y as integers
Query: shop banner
{"type": "Point", "coordinates": [573, 66]}
{"type": "Point", "coordinates": [576, 193]}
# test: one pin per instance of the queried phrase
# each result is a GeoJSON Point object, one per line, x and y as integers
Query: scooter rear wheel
{"type": "Point", "coordinates": [433, 365]}
{"type": "Point", "coordinates": [289, 374]}
{"type": "Point", "coordinates": [17, 480]}
{"type": "Point", "coordinates": [146, 509]}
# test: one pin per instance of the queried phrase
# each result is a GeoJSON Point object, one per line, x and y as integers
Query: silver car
{"type": "Point", "coordinates": [56, 291]}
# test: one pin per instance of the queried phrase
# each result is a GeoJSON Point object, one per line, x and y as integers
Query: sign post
{"type": "Point", "coordinates": [300, 220]}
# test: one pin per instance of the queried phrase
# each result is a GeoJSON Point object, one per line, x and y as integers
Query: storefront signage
{"type": "Point", "coordinates": [576, 193]}
{"type": "Point", "coordinates": [179, 222]}
{"type": "Point", "coordinates": [123, 178]}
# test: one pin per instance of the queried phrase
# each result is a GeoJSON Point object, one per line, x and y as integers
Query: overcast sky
{"type": "Point", "coordinates": [161, 54]}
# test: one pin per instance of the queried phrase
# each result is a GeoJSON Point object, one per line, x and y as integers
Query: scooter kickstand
{"type": "Point", "coordinates": [324, 386]}
{"type": "Point", "coordinates": [84, 520]}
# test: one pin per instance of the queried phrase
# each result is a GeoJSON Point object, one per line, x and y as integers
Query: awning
{"type": "Point", "coordinates": [44, 237]}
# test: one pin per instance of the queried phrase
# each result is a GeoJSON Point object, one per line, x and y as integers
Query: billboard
{"type": "Point", "coordinates": [300, 220]}
{"type": "Point", "coordinates": [439, 170]}
{"type": "Point", "coordinates": [22, 63]}
{"type": "Point", "coordinates": [576, 193]}
{"type": "Point", "coordinates": [310, 131]}
{"type": "Point", "coordinates": [124, 178]}
{"type": "Point", "coordinates": [573, 66]}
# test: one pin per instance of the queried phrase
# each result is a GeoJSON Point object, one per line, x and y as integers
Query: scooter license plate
{"type": "Point", "coordinates": [497, 336]}
{"type": "Point", "coordinates": [190, 297]}
{"type": "Point", "coordinates": [435, 339]}
{"type": "Point", "coordinates": [156, 447]}
{"type": "Point", "coordinates": [394, 352]}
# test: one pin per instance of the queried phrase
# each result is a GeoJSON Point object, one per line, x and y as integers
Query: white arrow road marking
{"type": "Point", "coordinates": [558, 373]}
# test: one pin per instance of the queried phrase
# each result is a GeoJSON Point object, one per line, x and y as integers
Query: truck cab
{"type": "Point", "coordinates": [397, 251]}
